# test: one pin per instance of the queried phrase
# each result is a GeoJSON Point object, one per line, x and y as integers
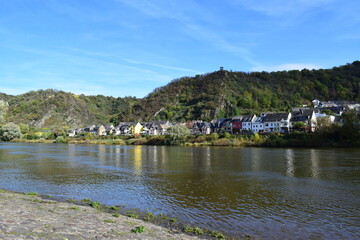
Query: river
{"type": "Point", "coordinates": [265, 192]}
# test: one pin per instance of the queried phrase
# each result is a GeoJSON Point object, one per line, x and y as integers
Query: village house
{"type": "Point", "coordinates": [257, 125]}
{"type": "Point", "coordinates": [201, 127]}
{"type": "Point", "coordinates": [158, 127]}
{"type": "Point", "coordinates": [109, 129]}
{"type": "Point", "coordinates": [236, 124]}
{"type": "Point", "coordinates": [71, 133]}
{"type": "Point", "coordinates": [90, 129]}
{"type": "Point", "coordinates": [225, 125]}
{"type": "Point", "coordinates": [247, 121]}
{"type": "Point", "coordinates": [277, 122]}
{"type": "Point", "coordinates": [306, 116]}
{"type": "Point", "coordinates": [126, 127]}
{"type": "Point", "coordinates": [100, 130]}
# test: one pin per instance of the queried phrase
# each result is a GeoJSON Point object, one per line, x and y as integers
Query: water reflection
{"type": "Point", "coordinates": [289, 155]}
{"type": "Point", "coordinates": [272, 193]}
{"type": "Point", "coordinates": [314, 157]}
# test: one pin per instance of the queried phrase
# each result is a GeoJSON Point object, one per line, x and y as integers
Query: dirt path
{"type": "Point", "coordinates": [31, 217]}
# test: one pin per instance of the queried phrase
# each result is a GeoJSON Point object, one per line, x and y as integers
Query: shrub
{"type": "Point", "coordinates": [10, 131]}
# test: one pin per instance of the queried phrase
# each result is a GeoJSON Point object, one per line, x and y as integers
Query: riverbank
{"type": "Point", "coordinates": [29, 216]}
{"type": "Point", "coordinates": [294, 139]}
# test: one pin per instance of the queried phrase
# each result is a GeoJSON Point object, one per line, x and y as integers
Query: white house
{"type": "Point", "coordinates": [277, 122]}
{"type": "Point", "coordinates": [257, 125]}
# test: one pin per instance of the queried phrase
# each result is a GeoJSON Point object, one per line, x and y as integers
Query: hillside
{"type": "Point", "coordinates": [50, 108]}
{"type": "Point", "coordinates": [223, 93]}
{"type": "Point", "coordinates": [214, 95]}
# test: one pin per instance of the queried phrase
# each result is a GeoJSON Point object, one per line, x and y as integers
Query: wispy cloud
{"type": "Point", "coordinates": [281, 7]}
{"type": "Point", "coordinates": [90, 63]}
{"type": "Point", "coordinates": [133, 61]}
{"type": "Point", "coordinates": [285, 67]}
{"type": "Point", "coordinates": [195, 30]}
{"type": "Point", "coordinates": [160, 66]}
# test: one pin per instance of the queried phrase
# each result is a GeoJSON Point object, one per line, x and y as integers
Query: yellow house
{"type": "Point", "coordinates": [137, 128]}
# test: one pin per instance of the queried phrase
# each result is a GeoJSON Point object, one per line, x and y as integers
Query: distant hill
{"type": "Point", "coordinates": [223, 93]}
{"type": "Point", "coordinates": [51, 108]}
{"type": "Point", "coordinates": [215, 95]}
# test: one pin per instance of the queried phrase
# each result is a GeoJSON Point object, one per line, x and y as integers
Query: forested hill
{"type": "Point", "coordinates": [52, 108]}
{"type": "Point", "coordinates": [223, 93]}
{"type": "Point", "coordinates": [214, 95]}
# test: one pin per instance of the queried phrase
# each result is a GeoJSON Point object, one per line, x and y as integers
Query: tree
{"type": "Point", "coordinates": [10, 131]}
{"type": "Point", "coordinates": [300, 126]}
{"type": "Point", "coordinates": [177, 134]}
{"type": "Point", "coordinates": [322, 123]}
{"type": "Point", "coordinates": [24, 128]}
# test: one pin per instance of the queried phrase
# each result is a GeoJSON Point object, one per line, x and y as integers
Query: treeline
{"type": "Point", "coordinates": [226, 93]}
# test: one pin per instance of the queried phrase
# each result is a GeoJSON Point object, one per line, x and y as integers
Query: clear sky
{"type": "Point", "coordinates": [129, 47]}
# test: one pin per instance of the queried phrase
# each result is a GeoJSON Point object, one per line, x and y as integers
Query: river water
{"type": "Point", "coordinates": [265, 192]}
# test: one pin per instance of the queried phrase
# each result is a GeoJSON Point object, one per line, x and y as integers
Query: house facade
{"type": "Point", "coordinates": [277, 122]}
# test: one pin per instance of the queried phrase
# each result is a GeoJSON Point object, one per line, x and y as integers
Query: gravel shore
{"type": "Point", "coordinates": [32, 217]}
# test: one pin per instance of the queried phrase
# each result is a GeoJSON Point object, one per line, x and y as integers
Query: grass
{"type": "Point", "coordinates": [195, 230]}
{"type": "Point", "coordinates": [109, 221]}
{"type": "Point", "coordinates": [32, 194]}
{"type": "Point", "coordinates": [133, 215]}
{"type": "Point", "coordinates": [86, 200]}
{"type": "Point", "coordinates": [96, 205]}
{"type": "Point", "coordinates": [217, 234]}
{"type": "Point", "coordinates": [74, 208]}
{"type": "Point", "coordinates": [116, 215]}
{"type": "Point", "coordinates": [173, 220]}
{"type": "Point", "coordinates": [138, 229]}
{"type": "Point", "coordinates": [114, 208]}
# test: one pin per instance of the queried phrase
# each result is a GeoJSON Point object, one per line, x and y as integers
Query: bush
{"type": "Point", "coordinates": [177, 134]}
{"type": "Point", "coordinates": [10, 131]}
{"type": "Point", "coordinates": [212, 137]}
{"type": "Point", "coordinates": [60, 139]}
{"type": "Point", "coordinates": [222, 142]}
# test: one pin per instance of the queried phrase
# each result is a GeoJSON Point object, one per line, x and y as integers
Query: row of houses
{"type": "Point", "coordinates": [265, 123]}
{"type": "Point", "coordinates": [125, 128]}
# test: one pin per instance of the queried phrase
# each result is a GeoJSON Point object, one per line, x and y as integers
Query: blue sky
{"type": "Point", "coordinates": [129, 47]}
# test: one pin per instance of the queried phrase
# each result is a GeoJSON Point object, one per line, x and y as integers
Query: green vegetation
{"type": "Point", "coordinates": [173, 220]}
{"type": "Point", "coordinates": [217, 234]}
{"type": "Point", "coordinates": [139, 229]}
{"type": "Point", "coordinates": [114, 208]}
{"type": "Point", "coordinates": [132, 215]}
{"type": "Point", "coordinates": [75, 208]}
{"type": "Point", "coordinates": [214, 95]}
{"type": "Point", "coordinates": [195, 230]}
{"type": "Point", "coordinates": [96, 205]}
{"type": "Point", "coordinates": [10, 131]}
{"type": "Point", "coordinates": [177, 134]}
{"type": "Point", "coordinates": [109, 221]}
{"type": "Point", "coordinates": [225, 93]}
{"type": "Point", "coordinates": [32, 194]}
{"type": "Point", "coordinates": [116, 215]}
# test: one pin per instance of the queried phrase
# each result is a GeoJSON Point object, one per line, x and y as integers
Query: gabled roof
{"type": "Point", "coordinates": [273, 117]}
{"type": "Point", "coordinates": [301, 115]}
{"type": "Point", "coordinates": [248, 118]}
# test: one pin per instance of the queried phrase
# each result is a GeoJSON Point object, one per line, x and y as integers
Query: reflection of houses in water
{"type": "Point", "coordinates": [102, 153]}
{"type": "Point", "coordinates": [208, 158]}
{"type": "Point", "coordinates": [256, 157]}
{"type": "Point", "coordinates": [314, 157]}
{"type": "Point", "coordinates": [138, 159]}
{"type": "Point", "coordinates": [289, 155]}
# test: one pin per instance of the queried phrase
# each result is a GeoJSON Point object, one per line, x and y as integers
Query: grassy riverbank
{"type": "Point", "coordinates": [29, 215]}
{"type": "Point", "coordinates": [334, 137]}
